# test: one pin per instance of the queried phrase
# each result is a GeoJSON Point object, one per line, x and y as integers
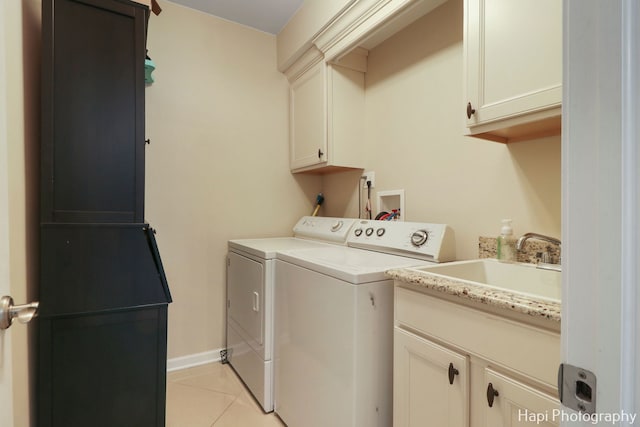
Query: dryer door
{"type": "Point", "coordinates": [245, 293]}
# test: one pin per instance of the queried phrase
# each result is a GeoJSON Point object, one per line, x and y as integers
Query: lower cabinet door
{"type": "Point", "coordinates": [431, 384]}
{"type": "Point", "coordinates": [511, 403]}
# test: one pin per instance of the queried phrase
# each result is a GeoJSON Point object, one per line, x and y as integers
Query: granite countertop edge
{"type": "Point", "coordinates": [491, 296]}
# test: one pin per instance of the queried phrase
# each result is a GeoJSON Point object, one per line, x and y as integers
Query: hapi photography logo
{"type": "Point", "coordinates": [558, 415]}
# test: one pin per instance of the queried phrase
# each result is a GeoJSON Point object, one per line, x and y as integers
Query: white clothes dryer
{"type": "Point", "coordinates": [250, 290]}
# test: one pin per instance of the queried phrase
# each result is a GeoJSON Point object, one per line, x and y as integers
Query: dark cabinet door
{"type": "Point", "coordinates": [93, 111]}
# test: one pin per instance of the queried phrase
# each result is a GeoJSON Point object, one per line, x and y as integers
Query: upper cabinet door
{"type": "Point", "coordinates": [513, 56]}
{"type": "Point", "coordinates": [327, 114]}
{"type": "Point", "coordinates": [308, 120]}
{"type": "Point", "coordinates": [92, 160]}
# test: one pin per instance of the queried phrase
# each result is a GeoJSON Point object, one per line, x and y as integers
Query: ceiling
{"type": "Point", "coordinates": [265, 15]}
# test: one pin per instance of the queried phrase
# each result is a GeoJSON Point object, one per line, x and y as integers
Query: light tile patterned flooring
{"type": "Point", "coordinates": [212, 395]}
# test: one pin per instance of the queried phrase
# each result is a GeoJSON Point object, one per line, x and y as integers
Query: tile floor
{"type": "Point", "coordinates": [212, 395]}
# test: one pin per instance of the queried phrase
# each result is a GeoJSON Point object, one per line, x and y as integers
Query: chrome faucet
{"type": "Point", "coordinates": [544, 264]}
{"type": "Point", "coordinates": [527, 236]}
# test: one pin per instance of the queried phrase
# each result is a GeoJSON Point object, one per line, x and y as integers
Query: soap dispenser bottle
{"type": "Point", "coordinates": [506, 243]}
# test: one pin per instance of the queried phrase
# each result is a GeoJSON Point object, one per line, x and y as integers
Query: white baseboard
{"type": "Point", "coordinates": [192, 360]}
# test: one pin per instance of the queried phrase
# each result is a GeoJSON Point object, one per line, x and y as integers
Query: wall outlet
{"type": "Point", "coordinates": [370, 176]}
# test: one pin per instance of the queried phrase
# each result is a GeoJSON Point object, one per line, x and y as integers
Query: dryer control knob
{"type": "Point", "coordinates": [358, 232]}
{"type": "Point", "coordinates": [419, 238]}
{"type": "Point", "coordinates": [369, 231]}
{"type": "Point", "coordinates": [337, 226]}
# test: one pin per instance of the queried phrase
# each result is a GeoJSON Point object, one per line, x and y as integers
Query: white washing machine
{"type": "Point", "coordinates": [334, 323]}
{"type": "Point", "coordinates": [250, 290]}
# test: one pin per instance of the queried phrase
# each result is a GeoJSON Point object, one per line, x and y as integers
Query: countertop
{"type": "Point", "coordinates": [497, 298]}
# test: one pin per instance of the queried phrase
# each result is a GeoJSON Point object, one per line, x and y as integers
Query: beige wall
{"type": "Point", "coordinates": [414, 126]}
{"type": "Point", "coordinates": [217, 166]}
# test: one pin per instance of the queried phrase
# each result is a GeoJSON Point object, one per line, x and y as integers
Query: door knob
{"type": "Point", "coordinates": [24, 313]}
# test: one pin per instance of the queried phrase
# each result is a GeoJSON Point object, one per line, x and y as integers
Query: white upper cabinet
{"type": "Point", "coordinates": [513, 68]}
{"type": "Point", "coordinates": [308, 117]}
{"type": "Point", "coordinates": [326, 122]}
{"type": "Point", "coordinates": [326, 72]}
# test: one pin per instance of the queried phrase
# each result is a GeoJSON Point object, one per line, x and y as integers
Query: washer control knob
{"type": "Point", "coordinates": [369, 231]}
{"type": "Point", "coordinates": [358, 232]}
{"type": "Point", "coordinates": [419, 238]}
{"type": "Point", "coordinates": [380, 232]}
{"type": "Point", "coordinates": [337, 225]}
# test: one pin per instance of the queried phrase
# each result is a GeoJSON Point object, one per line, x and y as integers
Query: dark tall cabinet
{"type": "Point", "coordinates": [102, 326]}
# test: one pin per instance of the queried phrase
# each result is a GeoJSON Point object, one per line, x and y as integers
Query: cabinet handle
{"type": "Point", "coordinates": [320, 153]}
{"type": "Point", "coordinates": [452, 373]}
{"type": "Point", "coordinates": [470, 110]}
{"type": "Point", "coordinates": [491, 394]}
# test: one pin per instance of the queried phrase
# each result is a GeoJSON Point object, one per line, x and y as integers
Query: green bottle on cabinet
{"type": "Point", "coordinates": [506, 243]}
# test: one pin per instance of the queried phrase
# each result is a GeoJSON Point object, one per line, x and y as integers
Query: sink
{"type": "Point", "coordinates": [518, 278]}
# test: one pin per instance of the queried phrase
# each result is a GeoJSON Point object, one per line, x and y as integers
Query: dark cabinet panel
{"type": "Point", "coordinates": [102, 327]}
{"type": "Point", "coordinates": [93, 111]}
{"type": "Point", "coordinates": [99, 267]}
{"type": "Point", "coordinates": [104, 369]}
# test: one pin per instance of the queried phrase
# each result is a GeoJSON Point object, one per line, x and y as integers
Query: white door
{"type": "Point", "coordinates": [512, 401]}
{"type": "Point", "coordinates": [308, 117]}
{"type": "Point", "coordinates": [6, 401]}
{"type": "Point", "coordinates": [430, 383]}
{"type": "Point", "coordinates": [245, 294]}
{"type": "Point", "coordinates": [601, 196]}
{"type": "Point", "coordinates": [498, 31]}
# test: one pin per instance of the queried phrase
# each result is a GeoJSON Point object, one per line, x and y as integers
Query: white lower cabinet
{"type": "Point", "coordinates": [512, 403]}
{"type": "Point", "coordinates": [458, 366]}
{"type": "Point", "coordinates": [430, 383]}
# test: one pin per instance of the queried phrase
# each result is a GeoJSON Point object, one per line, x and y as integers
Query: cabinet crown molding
{"type": "Point", "coordinates": [308, 59]}
{"type": "Point", "coordinates": [363, 24]}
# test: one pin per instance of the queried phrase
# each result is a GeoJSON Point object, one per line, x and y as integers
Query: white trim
{"type": "Point", "coordinates": [600, 200]}
{"type": "Point", "coordinates": [630, 210]}
{"type": "Point", "coordinates": [6, 367]}
{"type": "Point", "coordinates": [191, 360]}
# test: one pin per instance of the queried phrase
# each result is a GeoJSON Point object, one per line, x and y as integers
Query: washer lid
{"type": "Point", "coordinates": [352, 265]}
